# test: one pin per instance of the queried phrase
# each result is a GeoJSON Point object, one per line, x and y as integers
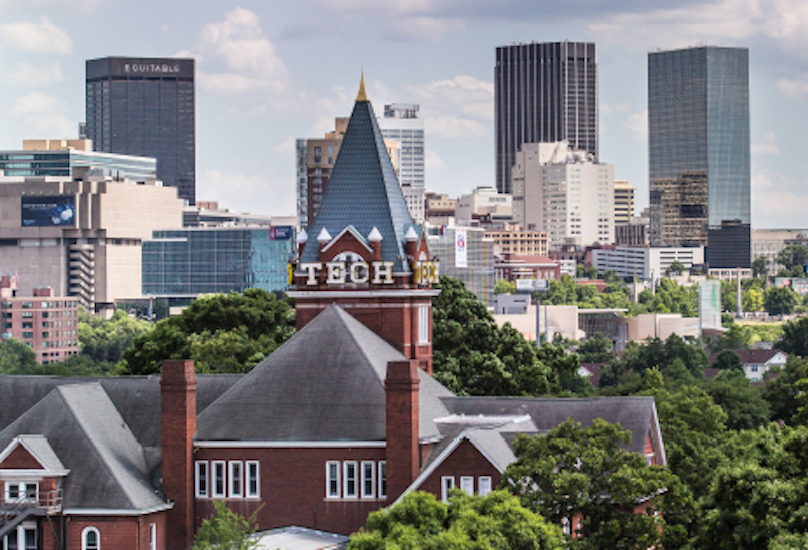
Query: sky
{"type": "Point", "coordinates": [271, 72]}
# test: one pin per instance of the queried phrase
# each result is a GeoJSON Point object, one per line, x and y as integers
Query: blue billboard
{"type": "Point", "coordinates": [47, 211]}
{"type": "Point", "coordinates": [280, 232]}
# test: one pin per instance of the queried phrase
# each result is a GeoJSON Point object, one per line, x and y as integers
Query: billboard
{"type": "Point", "coordinates": [47, 211]}
{"type": "Point", "coordinates": [280, 232]}
{"type": "Point", "coordinates": [797, 284]}
{"type": "Point", "coordinates": [531, 285]}
{"type": "Point", "coordinates": [461, 248]}
{"type": "Point", "coordinates": [710, 304]}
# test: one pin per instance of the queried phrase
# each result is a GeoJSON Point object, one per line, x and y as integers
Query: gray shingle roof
{"type": "Point", "coordinates": [91, 439]}
{"type": "Point", "coordinates": [325, 384]}
{"type": "Point", "coordinates": [363, 191]}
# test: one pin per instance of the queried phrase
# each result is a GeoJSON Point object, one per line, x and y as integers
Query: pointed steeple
{"type": "Point", "coordinates": [361, 96]}
{"type": "Point", "coordinates": [363, 190]}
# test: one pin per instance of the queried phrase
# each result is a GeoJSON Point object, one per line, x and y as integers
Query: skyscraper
{"type": "Point", "coordinates": [544, 93]}
{"type": "Point", "coordinates": [145, 107]}
{"type": "Point", "coordinates": [698, 136]}
{"type": "Point", "coordinates": [401, 124]}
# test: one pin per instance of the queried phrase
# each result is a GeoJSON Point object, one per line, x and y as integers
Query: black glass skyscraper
{"type": "Point", "coordinates": [145, 106]}
{"type": "Point", "coordinates": [544, 93]}
{"type": "Point", "coordinates": [698, 136]}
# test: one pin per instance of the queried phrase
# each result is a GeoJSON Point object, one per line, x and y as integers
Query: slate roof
{"type": "Point", "coordinates": [326, 383]}
{"type": "Point", "coordinates": [363, 191]}
{"type": "Point", "coordinates": [89, 436]}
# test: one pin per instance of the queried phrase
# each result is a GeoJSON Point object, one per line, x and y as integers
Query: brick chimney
{"type": "Point", "coordinates": [403, 454]}
{"type": "Point", "coordinates": [178, 424]}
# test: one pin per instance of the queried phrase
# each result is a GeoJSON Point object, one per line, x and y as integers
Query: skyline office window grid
{"type": "Point", "coordinates": [543, 93]}
{"type": "Point", "coordinates": [698, 135]}
{"type": "Point", "coordinates": [146, 113]}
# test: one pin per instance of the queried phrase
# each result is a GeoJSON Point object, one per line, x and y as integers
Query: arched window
{"type": "Point", "coordinates": [90, 539]}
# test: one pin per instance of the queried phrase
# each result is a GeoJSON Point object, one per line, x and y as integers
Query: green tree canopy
{"type": "Point", "coordinates": [759, 266]}
{"type": "Point", "coordinates": [779, 300]}
{"type": "Point", "coordinates": [728, 360]}
{"type": "Point", "coordinates": [597, 349]}
{"type": "Point", "coordinates": [795, 337]}
{"type": "Point", "coordinates": [494, 522]}
{"type": "Point", "coordinates": [743, 403]}
{"type": "Point", "coordinates": [17, 358]}
{"type": "Point", "coordinates": [473, 356]}
{"type": "Point", "coordinates": [105, 340]}
{"type": "Point", "coordinates": [505, 287]}
{"type": "Point", "coordinates": [793, 259]}
{"type": "Point", "coordinates": [226, 530]}
{"type": "Point", "coordinates": [575, 471]}
{"type": "Point", "coordinates": [220, 332]}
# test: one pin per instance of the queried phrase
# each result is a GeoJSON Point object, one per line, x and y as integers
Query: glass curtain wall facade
{"type": "Point", "coordinates": [61, 163]}
{"type": "Point", "coordinates": [401, 123]}
{"type": "Point", "coordinates": [181, 263]}
{"type": "Point", "coordinates": [145, 107]}
{"type": "Point", "coordinates": [544, 93]}
{"type": "Point", "coordinates": [698, 130]}
{"type": "Point", "coordinates": [479, 276]}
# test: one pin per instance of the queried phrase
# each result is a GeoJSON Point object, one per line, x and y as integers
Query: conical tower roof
{"type": "Point", "coordinates": [363, 190]}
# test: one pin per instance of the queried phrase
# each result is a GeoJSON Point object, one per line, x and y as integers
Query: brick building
{"type": "Point", "coordinates": [341, 420]}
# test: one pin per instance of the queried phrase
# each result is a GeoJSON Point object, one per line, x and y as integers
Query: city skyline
{"type": "Point", "coordinates": [263, 80]}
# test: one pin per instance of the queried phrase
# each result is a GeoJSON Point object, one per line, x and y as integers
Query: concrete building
{"type": "Point", "coordinates": [512, 267]}
{"type": "Point", "coordinates": [543, 93]}
{"type": "Point", "coordinates": [514, 240]}
{"type": "Point", "coordinates": [645, 262]}
{"type": "Point", "coordinates": [186, 262]}
{"type": "Point", "coordinates": [439, 208]}
{"type": "Point", "coordinates": [209, 214]}
{"type": "Point", "coordinates": [477, 271]}
{"type": "Point", "coordinates": [623, 202]}
{"type": "Point", "coordinates": [58, 157]}
{"type": "Point", "coordinates": [565, 193]}
{"type": "Point", "coordinates": [401, 123]}
{"type": "Point", "coordinates": [315, 160]}
{"type": "Point", "coordinates": [46, 323]}
{"type": "Point", "coordinates": [699, 151]}
{"type": "Point", "coordinates": [146, 107]}
{"type": "Point", "coordinates": [81, 235]}
{"type": "Point", "coordinates": [484, 202]}
{"type": "Point", "coordinates": [633, 233]}
{"type": "Point", "coordinates": [769, 242]}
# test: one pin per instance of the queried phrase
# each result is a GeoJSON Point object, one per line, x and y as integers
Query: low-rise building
{"type": "Point", "coordinates": [645, 262]}
{"type": "Point", "coordinates": [484, 202]}
{"type": "Point", "coordinates": [514, 240]}
{"type": "Point", "coordinates": [520, 266]}
{"type": "Point", "coordinates": [757, 362]}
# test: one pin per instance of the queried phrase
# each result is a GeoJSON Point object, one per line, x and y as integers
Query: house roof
{"type": "Point", "coordinates": [363, 191]}
{"type": "Point", "coordinates": [326, 383]}
{"type": "Point", "coordinates": [752, 356]}
{"type": "Point", "coordinates": [90, 438]}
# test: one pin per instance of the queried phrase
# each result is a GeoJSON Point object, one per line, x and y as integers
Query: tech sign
{"type": "Point", "coordinates": [360, 272]}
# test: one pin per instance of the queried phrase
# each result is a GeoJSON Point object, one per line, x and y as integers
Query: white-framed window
{"type": "Point", "coordinates": [446, 484]}
{"type": "Point", "coordinates": [202, 479]}
{"type": "Point", "coordinates": [383, 479]}
{"type": "Point", "coordinates": [368, 479]}
{"type": "Point", "coordinates": [566, 527]}
{"type": "Point", "coordinates": [153, 536]}
{"type": "Point", "coordinates": [467, 484]}
{"type": "Point", "coordinates": [253, 482]}
{"type": "Point", "coordinates": [332, 481]}
{"type": "Point", "coordinates": [236, 479]}
{"type": "Point", "coordinates": [219, 487]}
{"type": "Point", "coordinates": [349, 479]}
{"type": "Point", "coordinates": [22, 537]}
{"type": "Point", "coordinates": [90, 539]}
{"type": "Point", "coordinates": [27, 491]}
{"type": "Point", "coordinates": [484, 485]}
{"type": "Point", "coordinates": [423, 324]}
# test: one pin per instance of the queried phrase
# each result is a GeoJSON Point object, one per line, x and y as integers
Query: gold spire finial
{"type": "Point", "coordinates": [362, 96]}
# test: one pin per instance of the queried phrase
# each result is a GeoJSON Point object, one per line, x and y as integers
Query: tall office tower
{"type": "Point", "coordinates": [544, 93]}
{"type": "Point", "coordinates": [623, 202]}
{"type": "Point", "coordinates": [145, 107]}
{"type": "Point", "coordinates": [565, 193]}
{"type": "Point", "coordinates": [698, 136]}
{"type": "Point", "coordinates": [401, 124]}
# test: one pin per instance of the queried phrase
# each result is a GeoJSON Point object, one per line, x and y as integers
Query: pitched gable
{"type": "Point", "coordinates": [19, 458]}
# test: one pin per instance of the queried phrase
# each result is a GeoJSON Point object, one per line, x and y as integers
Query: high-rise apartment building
{"type": "Point", "coordinates": [145, 107]}
{"type": "Point", "coordinates": [698, 136]}
{"type": "Point", "coordinates": [623, 202]}
{"type": "Point", "coordinates": [401, 123]}
{"type": "Point", "coordinates": [544, 93]}
{"type": "Point", "coordinates": [315, 160]}
{"type": "Point", "coordinates": [565, 193]}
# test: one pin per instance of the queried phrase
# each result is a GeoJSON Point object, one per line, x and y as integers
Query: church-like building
{"type": "Point", "coordinates": [341, 420]}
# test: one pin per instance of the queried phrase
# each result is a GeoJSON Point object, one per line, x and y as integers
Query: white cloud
{"type": "Point", "coordinates": [433, 161]}
{"type": "Point", "coordinates": [778, 200]}
{"type": "Point", "coordinates": [242, 189]}
{"type": "Point", "coordinates": [459, 107]}
{"type": "Point", "coordinates": [606, 109]}
{"type": "Point", "coordinates": [286, 147]}
{"type": "Point", "coordinates": [769, 145]}
{"type": "Point", "coordinates": [429, 29]}
{"type": "Point", "coordinates": [39, 37]}
{"type": "Point", "coordinates": [49, 6]}
{"type": "Point", "coordinates": [43, 115]}
{"type": "Point", "coordinates": [237, 59]}
{"type": "Point", "coordinates": [34, 77]}
{"type": "Point", "coordinates": [793, 88]}
{"type": "Point", "coordinates": [637, 123]}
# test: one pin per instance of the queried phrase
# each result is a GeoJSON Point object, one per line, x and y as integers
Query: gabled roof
{"type": "Point", "coordinates": [91, 439]}
{"type": "Point", "coordinates": [752, 356]}
{"type": "Point", "coordinates": [38, 448]}
{"type": "Point", "coordinates": [325, 384]}
{"type": "Point", "coordinates": [363, 191]}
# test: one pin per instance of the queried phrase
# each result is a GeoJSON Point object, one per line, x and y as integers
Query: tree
{"type": "Point", "coordinates": [779, 300]}
{"type": "Point", "coordinates": [17, 357]}
{"type": "Point", "coordinates": [226, 530]}
{"type": "Point", "coordinates": [753, 300]}
{"type": "Point", "coordinates": [793, 258]}
{"type": "Point", "coordinates": [676, 268]}
{"type": "Point", "coordinates": [505, 287]}
{"type": "Point", "coordinates": [105, 340]}
{"type": "Point", "coordinates": [742, 402]}
{"type": "Point", "coordinates": [493, 522]}
{"type": "Point", "coordinates": [221, 332]}
{"type": "Point", "coordinates": [597, 349]}
{"type": "Point", "coordinates": [759, 266]}
{"type": "Point", "coordinates": [473, 356]}
{"type": "Point", "coordinates": [728, 360]}
{"type": "Point", "coordinates": [795, 337]}
{"type": "Point", "coordinates": [586, 472]}
{"type": "Point", "coordinates": [782, 392]}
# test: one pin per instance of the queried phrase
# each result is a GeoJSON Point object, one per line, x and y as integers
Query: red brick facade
{"type": "Point", "coordinates": [402, 417]}
{"type": "Point", "coordinates": [20, 459]}
{"type": "Point", "coordinates": [465, 461]}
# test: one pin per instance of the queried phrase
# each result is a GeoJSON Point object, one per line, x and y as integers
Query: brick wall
{"type": "Point", "coordinates": [20, 459]}
{"type": "Point", "coordinates": [466, 460]}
